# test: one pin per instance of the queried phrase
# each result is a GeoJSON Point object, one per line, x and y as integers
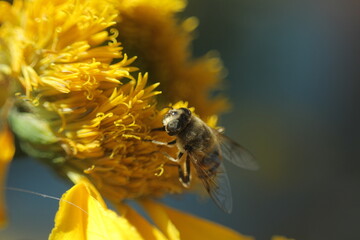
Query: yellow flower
{"type": "Point", "coordinates": [74, 101]}
{"type": "Point", "coordinates": [77, 91]}
{"type": "Point", "coordinates": [90, 219]}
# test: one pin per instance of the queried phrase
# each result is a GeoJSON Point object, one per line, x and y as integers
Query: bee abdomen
{"type": "Point", "coordinates": [209, 165]}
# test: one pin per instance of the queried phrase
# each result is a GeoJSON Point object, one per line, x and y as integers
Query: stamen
{"type": "Point", "coordinates": [161, 170]}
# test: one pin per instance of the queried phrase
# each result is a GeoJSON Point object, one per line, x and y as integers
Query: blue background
{"type": "Point", "coordinates": [294, 84]}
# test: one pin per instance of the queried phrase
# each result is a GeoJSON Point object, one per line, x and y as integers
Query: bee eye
{"type": "Point", "coordinates": [173, 125]}
{"type": "Point", "coordinates": [173, 113]}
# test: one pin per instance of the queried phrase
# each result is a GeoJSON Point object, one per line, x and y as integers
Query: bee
{"type": "Point", "coordinates": [204, 148]}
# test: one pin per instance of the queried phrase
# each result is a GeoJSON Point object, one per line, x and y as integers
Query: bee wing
{"type": "Point", "coordinates": [236, 154]}
{"type": "Point", "coordinates": [217, 185]}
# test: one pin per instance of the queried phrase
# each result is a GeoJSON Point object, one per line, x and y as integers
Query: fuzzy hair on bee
{"type": "Point", "coordinates": [204, 149]}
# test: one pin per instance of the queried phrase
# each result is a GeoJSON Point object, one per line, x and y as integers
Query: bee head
{"type": "Point", "coordinates": [175, 120]}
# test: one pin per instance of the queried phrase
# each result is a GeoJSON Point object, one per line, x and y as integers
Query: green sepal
{"type": "Point", "coordinates": [28, 127]}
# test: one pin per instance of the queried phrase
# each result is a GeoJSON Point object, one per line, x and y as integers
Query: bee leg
{"type": "Point", "coordinates": [172, 142]}
{"type": "Point", "coordinates": [162, 129]}
{"type": "Point", "coordinates": [184, 173]}
{"type": "Point", "coordinates": [171, 158]}
{"type": "Point", "coordinates": [168, 144]}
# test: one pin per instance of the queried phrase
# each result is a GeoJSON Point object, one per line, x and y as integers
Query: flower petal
{"type": "Point", "coordinates": [147, 231]}
{"type": "Point", "coordinates": [7, 153]}
{"type": "Point", "coordinates": [5, 11]}
{"type": "Point", "coordinates": [83, 215]}
{"type": "Point", "coordinates": [173, 222]}
{"type": "Point", "coordinates": [159, 215]}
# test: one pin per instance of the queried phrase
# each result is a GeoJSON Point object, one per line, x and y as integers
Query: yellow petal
{"type": "Point", "coordinates": [158, 213]}
{"type": "Point", "coordinates": [7, 153]}
{"type": "Point", "coordinates": [5, 10]}
{"type": "Point", "coordinates": [173, 222]}
{"type": "Point", "coordinates": [147, 231]}
{"type": "Point", "coordinates": [89, 219]}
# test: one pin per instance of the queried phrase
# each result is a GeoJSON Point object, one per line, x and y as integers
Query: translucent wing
{"type": "Point", "coordinates": [216, 182]}
{"type": "Point", "coordinates": [236, 154]}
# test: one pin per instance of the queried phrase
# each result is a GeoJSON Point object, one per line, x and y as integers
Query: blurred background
{"type": "Point", "coordinates": [294, 83]}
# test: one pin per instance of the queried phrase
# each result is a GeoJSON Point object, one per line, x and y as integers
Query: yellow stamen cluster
{"type": "Point", "coordinates": [163, 42]}
{"type": "Point", "coordinates": [75, 86]}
